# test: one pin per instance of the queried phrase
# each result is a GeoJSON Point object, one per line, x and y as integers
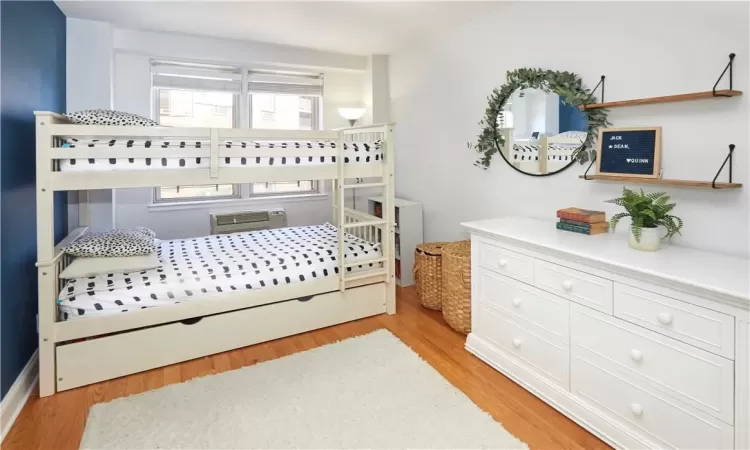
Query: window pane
{"type": "Point", "coordinates": [283, 112]}
{"type": "Point", "coordinates": [197, 192]}
{"type": "Point", "coordinates": [283, 187]}
{"type": "Point", "coordinates": [180, 108]}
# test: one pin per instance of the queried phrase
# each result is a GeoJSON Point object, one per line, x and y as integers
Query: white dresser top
{"type": "Point", "coordinates": [725, 276]}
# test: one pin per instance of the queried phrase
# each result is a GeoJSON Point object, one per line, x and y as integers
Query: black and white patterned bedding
{"type": "Point", "coordinates": [354, 152]}
{"type": "Point", "coordinates": [555, 152]}
{"type": "Point", "coordinates": [218, 263]}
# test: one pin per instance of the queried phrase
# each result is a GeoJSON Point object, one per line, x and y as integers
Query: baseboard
{"type": "Point", "coordinates": [18, 394]}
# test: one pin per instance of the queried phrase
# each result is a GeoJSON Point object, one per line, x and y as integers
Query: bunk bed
{"type": "Point", "coordinates": [83, 343]}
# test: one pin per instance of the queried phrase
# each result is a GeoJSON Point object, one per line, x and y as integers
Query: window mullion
{"type": "Point", "coordinates": [245, 102]}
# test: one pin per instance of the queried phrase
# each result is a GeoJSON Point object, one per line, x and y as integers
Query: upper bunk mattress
{"type": "Point", "coordinates": [354, 152]}
{"type": "Point", "coordinates": [218, 263]}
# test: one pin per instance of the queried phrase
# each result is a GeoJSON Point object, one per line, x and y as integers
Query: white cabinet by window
{"type": "Point", "coordinates": [408, 235]}
{"type": "Point", "coordinates": [645, 350]}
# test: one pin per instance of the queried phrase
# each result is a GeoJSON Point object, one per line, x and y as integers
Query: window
{"type": "Point", "coordinates": [195, 95]}
{"type": "Point", "coordinates": [283, 188]}
{"type": "Point", "coordinates": [288, 112]}
{"type": "Point", "coordinates": [284, 101]}
{"type": "Point", "coordinates": [186, 108]}
{"type": "Point", "coordinates": [196, 192]}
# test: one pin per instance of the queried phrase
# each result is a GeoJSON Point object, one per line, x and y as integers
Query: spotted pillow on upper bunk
{"type": "Point", "coordinates": [107, 117]}
{"type": "Point", "coordinates": [117, 242]}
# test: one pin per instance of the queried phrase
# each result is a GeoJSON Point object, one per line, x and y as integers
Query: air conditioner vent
{"type": "Point", "coordinates": [247, 221]}
{"type": "Point", "coordinates": [243, 217]}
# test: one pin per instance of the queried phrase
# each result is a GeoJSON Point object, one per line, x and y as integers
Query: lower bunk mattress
{"type": "Point", "coordinates": [354, 153]}
{"type": "Point", "coordinates": [218, 263]}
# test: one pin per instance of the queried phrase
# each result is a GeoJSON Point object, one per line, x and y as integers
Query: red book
{"type": "Point", "coordinates": [582, 215]}
{"type": "Point", "coordinates": [378, 209]}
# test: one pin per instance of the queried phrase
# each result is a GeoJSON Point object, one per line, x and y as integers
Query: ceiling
{"type": "Point", "coordinates": [355, 27]}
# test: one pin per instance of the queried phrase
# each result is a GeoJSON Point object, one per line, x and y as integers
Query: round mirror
{"type": "Point", "coordinates": [534, 121]}
{"type": "Point", "coordinates": [541, 133]}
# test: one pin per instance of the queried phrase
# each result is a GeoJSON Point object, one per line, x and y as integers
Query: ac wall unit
{"type": "Point", "coordinates": [247, 221]}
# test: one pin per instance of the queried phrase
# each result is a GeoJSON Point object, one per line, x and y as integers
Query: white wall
{"type": "Point", "coordinates": [377, 93]}
{"type": "Point", "coordinates": [88, 79]}
{"type": "Point", "coordinates": [127, 54]}
{"type": "Point", "coordinates": [439, 91]}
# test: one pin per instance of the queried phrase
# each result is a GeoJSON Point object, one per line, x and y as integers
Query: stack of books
{"type": "Point", "coordinates": [582, 221]}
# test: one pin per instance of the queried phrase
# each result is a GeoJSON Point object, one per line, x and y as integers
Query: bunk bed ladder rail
{"type": "Point", "coordinates": [340, 211]}
{"type": "Point", "coordinates": [389, 214]}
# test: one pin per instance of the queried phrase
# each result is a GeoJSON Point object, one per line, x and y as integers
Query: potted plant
{"type": "Point", "coordinates": [647, 212]}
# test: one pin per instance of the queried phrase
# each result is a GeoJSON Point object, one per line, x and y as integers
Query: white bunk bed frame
{"type": "Point", "coordinates": [543, 165]}
{"type": "Point", "coordinates": [79, 352]}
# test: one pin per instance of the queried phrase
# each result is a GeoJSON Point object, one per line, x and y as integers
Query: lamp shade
{"type": "Point", "coordinates": [352, 113]}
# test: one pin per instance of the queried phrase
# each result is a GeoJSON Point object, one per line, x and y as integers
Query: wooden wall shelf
{"type": "Point", "coordinates": [725, 93]}
{"type": "Point", "coordinates": [682, 183]}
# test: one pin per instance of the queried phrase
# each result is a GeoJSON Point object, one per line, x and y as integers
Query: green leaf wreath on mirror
{"type": "Point", "coordinates": [567, 85]}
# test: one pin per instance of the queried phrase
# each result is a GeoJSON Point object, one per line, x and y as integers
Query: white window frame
{"type": "Point", "coordinates": [242, 107]}
{"type": "Point", "coordinates": [250, 194]}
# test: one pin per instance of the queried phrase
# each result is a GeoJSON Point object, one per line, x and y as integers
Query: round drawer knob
{"type": "Point", "coordinates": [636, 355]}
{"type": "Point", "coordinates": [567, 285]}
{"type": "Point", "coordinates": [516, 302]}
{"type": "Point", "coordinates": [636, 409]}
{"type": "Point", "coordinates": [502, 263]}
{"type": "Point", "coordinates": [516, 343]}
{"type": "Point", "coordinates": [664, 318]}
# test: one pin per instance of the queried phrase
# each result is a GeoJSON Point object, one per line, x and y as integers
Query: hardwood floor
{"type": "Point", "coordinates": [57, 422]}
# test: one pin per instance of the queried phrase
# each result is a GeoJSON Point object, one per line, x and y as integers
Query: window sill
{"type": "Point", "coordinates": [236, 202]}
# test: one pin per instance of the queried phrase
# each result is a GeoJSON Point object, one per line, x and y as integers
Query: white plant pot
{"type": "Point", "coordinates": [650, 240]}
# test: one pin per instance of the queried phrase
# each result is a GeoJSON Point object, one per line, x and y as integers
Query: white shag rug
{"type": "Point", "coordinates": [370, 391]}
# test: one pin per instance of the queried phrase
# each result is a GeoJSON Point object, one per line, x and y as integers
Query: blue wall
{"type": "Point", "coordinates": [32, 77]}
{"type": "Point", "coordinates": [572, 119]}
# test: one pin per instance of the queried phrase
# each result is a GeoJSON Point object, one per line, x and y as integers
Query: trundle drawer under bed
{"type": "Point", "coordinates": [113, 356]}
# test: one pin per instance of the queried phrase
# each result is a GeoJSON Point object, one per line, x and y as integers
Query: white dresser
{"type": "Point", "coordinates": [645, 350]}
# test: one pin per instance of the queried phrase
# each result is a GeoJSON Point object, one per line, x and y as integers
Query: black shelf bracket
{"type": "Point", "coordinates": [727, 159]}
{"type": "Point", "coordinates": [585, 174]}
{"type": "Point", "coordinates": [593, 91]}
{"type": "Point", "coordinates": [729, 68]}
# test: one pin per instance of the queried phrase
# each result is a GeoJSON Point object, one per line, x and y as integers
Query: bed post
{"type": "Point", "coordinates": [340, 212]}
{"type": "Point", "coordinates": [334, 202]}
{"type": "Point", "coordinates": [45, 241]}
{"type": "Point", "coordinates": [389, 212]}
{"type": "Point", "coordinates": [543, 154]}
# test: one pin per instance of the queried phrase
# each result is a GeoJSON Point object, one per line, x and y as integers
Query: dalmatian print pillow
{"type": "Point", "coordinates": [111, 243]}
{"type": "Point", "coordinates": [148, 232]}
{"type": "Point", "coordinates": [107, 117]}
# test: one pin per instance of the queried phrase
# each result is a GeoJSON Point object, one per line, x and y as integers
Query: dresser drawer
{"type": "Point", "coordinates": [546, 312]}
{"type": "Point", "coordinates": [506, 262]}
{"type": "Point", "coordinates": [693, 376]}
{"type": "Point", "coordinates": [653, 415]}
{"type": "Point", "coordinates": [546, 357]}
{"type": "Point", "coordinates": [574, 285]}
{"type": "Point", "coordinates": [703, 328]}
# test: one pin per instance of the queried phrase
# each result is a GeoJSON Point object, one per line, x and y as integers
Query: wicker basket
{"type": "Point", "coordinates": [457, 286]}
{"type": "Point", "coordinates": [428, 274]}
